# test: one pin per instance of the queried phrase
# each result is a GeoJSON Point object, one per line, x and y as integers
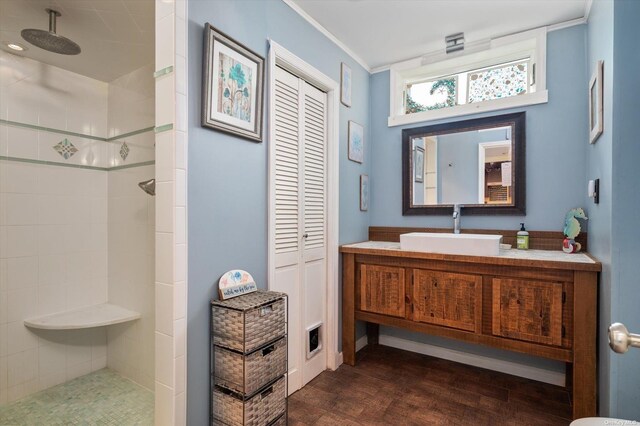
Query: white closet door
{"type": "Point", "coordinates": [314, 284]}
{"type": "Point", "coordinates": [298, 203]}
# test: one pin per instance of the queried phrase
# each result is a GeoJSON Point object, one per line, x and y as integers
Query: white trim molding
{"type": "Point", "coordinates": [508, 367]}
{"type": "Point", "coordinates": [315, 24]}
{"type": "Point", "coordinates": [467, 109]}
{"type": "Point", "coordinates": [362, 342]}
{"type": "Point", "coordinates": [280, 56]}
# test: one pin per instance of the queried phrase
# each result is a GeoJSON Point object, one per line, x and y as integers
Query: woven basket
{"type": "Point", "coordinates": [248, 322]}
{"type": "Point", "coordinates": [259, 410]}
{"type": "Point", "coordinates": [248, 373]}
{"type": "Point", "coordinates": [280, 421]}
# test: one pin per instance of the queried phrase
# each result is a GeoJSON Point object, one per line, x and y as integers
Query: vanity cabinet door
{"type": "Point", "coordinates": [452, 300]}
{"type": "Point", "coordinates": [528, 310]}
{"type": "Point", "coordinates": [382, 290]}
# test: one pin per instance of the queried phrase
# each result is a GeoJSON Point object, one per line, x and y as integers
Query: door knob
{"type": "Point", "coordinates": [305, 236]}
{"type": "Point", "coordinates": [620, 339]}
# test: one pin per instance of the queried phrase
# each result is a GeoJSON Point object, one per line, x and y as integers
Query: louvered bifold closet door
{"type": "Point", "coordinates": [298, 205]}
{"type": "Point", "coordinates": [314, 137]}
{"type": "Point", "coordinates": [314, 284]}
{"type": "Point", "coordinates": [287, 169]}
{"type": "Point", "coordinates": [285, 200]}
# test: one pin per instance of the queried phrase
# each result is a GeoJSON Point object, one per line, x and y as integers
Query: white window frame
{"type": "Point", "coordinates": [532, 44]}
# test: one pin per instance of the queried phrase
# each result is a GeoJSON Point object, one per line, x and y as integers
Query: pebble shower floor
{"type": "Point", "coordinates": [100, 398]}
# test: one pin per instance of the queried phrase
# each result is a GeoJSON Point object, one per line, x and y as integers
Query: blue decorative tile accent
{"type": "Point", "coordinates": [65, 148]}
{"type": "Point", "coordinates": [124, 151]}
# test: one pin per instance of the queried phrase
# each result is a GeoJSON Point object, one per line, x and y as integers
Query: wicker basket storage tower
{"type": "Point", "coordinates": [249, 360]}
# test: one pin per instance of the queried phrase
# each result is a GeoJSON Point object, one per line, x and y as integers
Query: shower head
{"type": "Point", "coordinates": [148, 186]}
{"type": "Point", "coordinates": [49, 40]}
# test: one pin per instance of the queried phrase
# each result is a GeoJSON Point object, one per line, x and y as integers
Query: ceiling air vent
{"type": "Point", "coordinates": [454, 42]}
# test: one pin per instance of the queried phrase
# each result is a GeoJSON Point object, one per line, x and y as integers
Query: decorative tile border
{"type": "Point", "coordinates": [51, 163]}
{"type": "Point", "coordinates": [124, 151]}
{"type": "Point", "coordinates": [129, 166]}
{"type": "Point", "coordinates": [81, 135]}
{"type": "Point", "coordinates": [163, 128]}
{"type": "Point", "coordinates": [65, 148]}
{"type": "Point", "coordinates": [163, 71]}
{"type": "Point", "coordinates": [76, 166]}
{"type": "Point", "coordinates": [127, 135]}
{"type": "Point", "coordinates": [49, 129]}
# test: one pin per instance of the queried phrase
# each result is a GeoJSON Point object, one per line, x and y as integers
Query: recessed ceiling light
{"type": "Point", "coordinates": [15, 46]}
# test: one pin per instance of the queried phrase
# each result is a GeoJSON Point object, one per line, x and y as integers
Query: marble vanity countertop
{"type": "Point", "coordinates": [515, 257]}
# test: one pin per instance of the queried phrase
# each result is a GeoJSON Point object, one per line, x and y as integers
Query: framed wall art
{"type": "Point", "coordinates": [356, 142]}
{"type": "Point", "coordinates": [233, 78]}
{"type": "Point", "coordinates": [596, 103]}
{"type": "Point", "coordinates": [418, 164]}
{"type": "Point", "coordinates": [345, 84]}
{"type": "Point", "coordinates": [364, 193]}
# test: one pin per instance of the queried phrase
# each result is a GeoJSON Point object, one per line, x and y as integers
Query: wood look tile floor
{"type": "Point", "coordinates": [393, 387]}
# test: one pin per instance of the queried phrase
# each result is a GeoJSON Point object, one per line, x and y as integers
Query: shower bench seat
{"type": "Point", "coordinates": [87, 317]}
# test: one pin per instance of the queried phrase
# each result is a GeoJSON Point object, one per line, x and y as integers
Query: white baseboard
{"type": "Point", "coordinates": [338, 361]}
{"type": "Point", "coordinates": [513, 368]}
{"type": "Point", "coordinates": [361, 342]}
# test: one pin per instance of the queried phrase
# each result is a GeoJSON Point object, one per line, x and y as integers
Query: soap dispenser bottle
{"type": "Point", "coordinates": [522, 238]}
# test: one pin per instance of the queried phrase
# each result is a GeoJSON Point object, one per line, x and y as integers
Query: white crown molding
{"type": "Point", "coordinates": [567, 24]}
{"type": "Point", "coordinates": [326, 33]}
{"type": "Point", "coordinates": [587, 9]}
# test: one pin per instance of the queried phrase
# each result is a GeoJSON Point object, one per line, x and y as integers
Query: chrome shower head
{"type": "Point", "coordinates": [49, 40]}
{"type": "Point", "coordinates": [148, 186]}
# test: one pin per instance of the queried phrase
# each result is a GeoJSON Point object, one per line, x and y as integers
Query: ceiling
{"type": "Point", "coordinates": [116, 36]}
{"type": "Point", "coordinates": [382, 32]}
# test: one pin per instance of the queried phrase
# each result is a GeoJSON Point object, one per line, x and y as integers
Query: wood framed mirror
{"type": "Point", "coordinates": [479, 164]}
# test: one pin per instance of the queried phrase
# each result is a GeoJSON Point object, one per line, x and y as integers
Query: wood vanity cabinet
{"type": "Point", "coordinates": [544, 308]}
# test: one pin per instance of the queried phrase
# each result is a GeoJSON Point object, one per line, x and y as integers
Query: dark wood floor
{"type": "Point", "coordinates": [393, 387]}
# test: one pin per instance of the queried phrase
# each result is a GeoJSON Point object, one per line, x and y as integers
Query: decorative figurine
{"type": "Point", "coordinates": [572, 230]}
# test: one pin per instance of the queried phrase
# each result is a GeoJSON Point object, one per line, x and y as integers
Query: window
{"type": "Point", "coordinates": [503, 73]}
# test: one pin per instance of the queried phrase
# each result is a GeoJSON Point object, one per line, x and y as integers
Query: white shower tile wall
{"type": "Point", "coordinates": [131, 108]}
{"type": "Point", "coordinates": [131, 245]}
{"type": "Point", "coordinates": [43, 96]}
{"type": "Point", "coordinates": [53, 258]}
{"type": "Point", "coordinates": [131, 102]}
{"type": "Point", "coordinates": [131, 219]}
{"type": "Point", "coordinates": [65, 232]}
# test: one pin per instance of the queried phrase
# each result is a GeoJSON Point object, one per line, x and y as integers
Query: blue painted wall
{"type": "Point", "coordinates": [228, 176]}
{"type": "Point", "coordinates": [613, 229]}
{"type": "Point", "coordinates": [556, 134]}
{"type": "Point", "coordinates": [228, 209]}
{"type": "Point", "coordinates": [599, 166]}
{"type": "Point", "coordinates": [625, 280]}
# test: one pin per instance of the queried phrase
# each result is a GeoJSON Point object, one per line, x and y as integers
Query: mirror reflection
{"type": "Point", "coordinates": [477, 163]}
{"type": "Point", "coordinates": [466, 167]}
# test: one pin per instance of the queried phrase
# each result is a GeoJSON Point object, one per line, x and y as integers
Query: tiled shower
{"type": "Point", "coordinates": [75, 228]}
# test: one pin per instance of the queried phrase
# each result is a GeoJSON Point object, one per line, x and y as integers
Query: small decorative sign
{"type": "Point", "coordinates": [236, 283]}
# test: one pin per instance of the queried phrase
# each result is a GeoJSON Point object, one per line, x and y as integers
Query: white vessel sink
{"type": "Point", "coordinates": [466, 244]}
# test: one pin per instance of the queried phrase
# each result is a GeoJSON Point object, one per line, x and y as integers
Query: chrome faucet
{"type": "Point", "coordinates": [456, 218]}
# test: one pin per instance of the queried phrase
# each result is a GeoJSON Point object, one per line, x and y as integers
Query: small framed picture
{"type": "Point", "coordinates": [356, 142]}
{"type": "Point", "coordinates": [232, 86]}
{"type": "Point", "coordinates": [345, 84]}
{"type": "Point", "coordinates": [418, 164]}
{"type": "Point", "coordinates": [364, 193]}
{"type": "Point", "coordinates": [596, 110]}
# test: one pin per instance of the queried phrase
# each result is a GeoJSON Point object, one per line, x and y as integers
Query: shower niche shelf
{"type": "Point", "coordinates": [88, 317]}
